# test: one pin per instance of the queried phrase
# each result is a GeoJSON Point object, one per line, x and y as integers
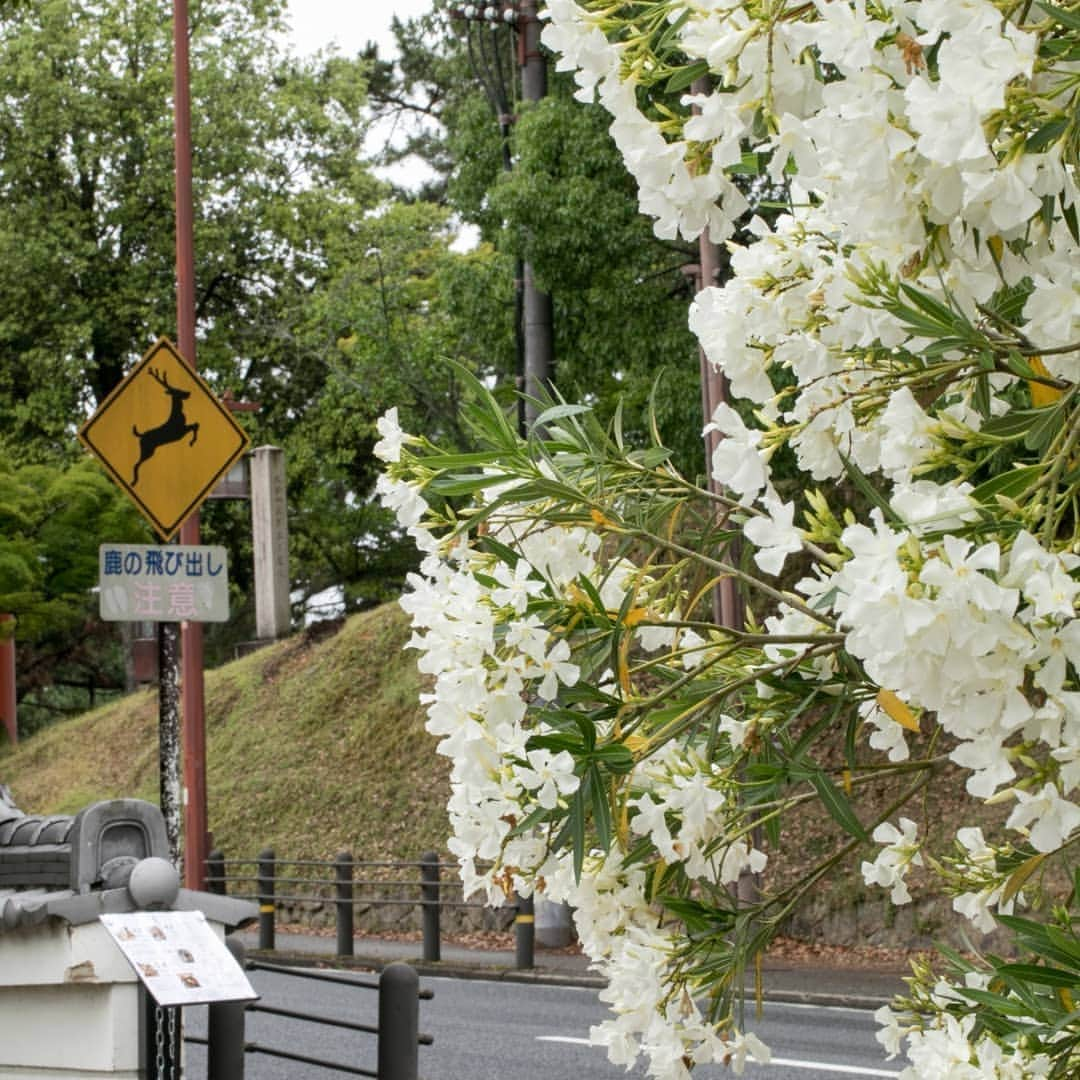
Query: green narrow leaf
{"type": "Point", "coordinates": [560, 412]}
{"type": "Point", "coordinates": [671, 31]}
{"type": "Point", "coordinates": [462, 484]}
{"type": "Point", "coordinates": [1043, 431]}
{"type": "Point", "coordinates": [497, 547]}
{"type": "Point", "coordinates": [1041, 976]}
{"type": "Point", "coordinates": [1045, 136]}
{"type": "Point", "coordinates": [601, 809]}
{"type": "Point", "coordinates": [1011, 484]}
{"type": "Point", "coordinates": [870, 491]}
{"type": "Point", "coordinates": [838, 806]}
{"type": "Point", "coordinates": [1071, 19]}
{"type": "Point", "coordinates": [938, 312]}
{"type": "Point", "coordinates": [615, 757]}
{"type": "Point", "coordinates": [686, 76]}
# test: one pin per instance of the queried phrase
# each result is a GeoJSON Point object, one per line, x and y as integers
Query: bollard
{"type": "Point", "coordinates": [264, 887]}
{"type": "Point", "coordinates": [215, 872]}
{"type": "Point", "coordinates": [429, 893]}
{"type": "Point", "coordinates": [524, 933]}
{"type": "Point", "coordinates": [343, 871]}
{"type": "Point", "coordinates": [225, 1031]}
{"type": "Point", "coordinates": [399, 1023]}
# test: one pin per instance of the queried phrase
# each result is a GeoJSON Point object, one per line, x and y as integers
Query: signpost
{"type": "Point", "coordinates": [147, 583]}
{"type": "Point", "coordinates": [165, 438]}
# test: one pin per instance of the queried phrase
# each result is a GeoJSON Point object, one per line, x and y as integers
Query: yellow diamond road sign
{"type": "Point", "coordinates": [164, 437]}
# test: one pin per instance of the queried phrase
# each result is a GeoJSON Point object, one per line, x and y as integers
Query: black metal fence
{"type": "Point", "coordinates": [397, 1031]}
{"type": "Point", "coordinates": [259, 879]}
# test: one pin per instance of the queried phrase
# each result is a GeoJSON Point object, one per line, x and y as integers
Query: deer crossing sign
{"type": "Point", "coordinates": [164, 438]}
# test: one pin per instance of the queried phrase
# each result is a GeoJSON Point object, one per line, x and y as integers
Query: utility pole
{"type": "Point", "coordinates": [192, 692]}
{"type": "Point", "coordinates": [486, 26]}
{"type": "Point", "coordinates": [539, 348]}
{"type": "Point", "coordinates": [714, 390]}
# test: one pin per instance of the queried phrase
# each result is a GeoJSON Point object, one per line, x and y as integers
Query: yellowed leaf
{"type": "Point", "coordinates": [1020, 875]}
{"type": "Point", "coordinates": [890, 704]}
{"type": "Point", "coordinates": [1041, 394]}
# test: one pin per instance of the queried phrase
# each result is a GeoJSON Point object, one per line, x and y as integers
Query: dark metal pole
{"type": "Point", "coordinates": [215, 872]}
{"type": "Point", "coordinates": [169, 733]}
{"type": "Point", "coordinates": [194, 728]}
{"type": "Point", "coordinates": [399, 1023]}
{"type": "Point", "coordinates": [539, 347]}
{"type": "Point", "coordinates": [225, 1032]}
{"type": "Point", "coordinates": [429, 893]}
{"type": "Point", "coordinates": [524, 934]}
{"type": "Point", "coordinates": [343, 868]}
{"type": "Point", "coordinates": [264, 889]}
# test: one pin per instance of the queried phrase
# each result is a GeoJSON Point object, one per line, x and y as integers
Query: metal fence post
{"type": "Point", "coordinates": [225, 1031]}
{"type": "Point", "coordinates": [429, 895]}
{"type": "Point", "coordinates": [399, 1022]}
{"type": "Point", "coordinates": [215, 872]}
{"type": "Point", "coordinates": [524, 933]}
{"type": "Point", "coordinates": [343, 871]}
{"type": "Point", "coordinates": [264, 887]}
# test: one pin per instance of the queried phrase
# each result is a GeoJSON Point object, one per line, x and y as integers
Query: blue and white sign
{"type": "Point", "coordinates": [163, 583]}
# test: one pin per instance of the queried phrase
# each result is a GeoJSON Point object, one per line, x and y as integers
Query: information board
{"type": "Point", "coordinates": [178, 957]}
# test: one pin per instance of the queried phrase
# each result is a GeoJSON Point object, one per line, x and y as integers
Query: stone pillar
{"type": "Point", "coordinates": [270, 534]}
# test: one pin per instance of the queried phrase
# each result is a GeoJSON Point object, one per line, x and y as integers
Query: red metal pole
{"type": "Point", "coordinates": [714, 390]}
{"type": "Point", "coordinates": [193, 727]}
{"type": "Point", "coordinates": [7, 682]}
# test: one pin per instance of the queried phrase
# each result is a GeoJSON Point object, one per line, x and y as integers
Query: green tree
{"type": "Point", "coordinates": [86, 179]}
{"type": "Point", "coordinates": [569, 208]}
{"type": "Point", "coordinates": [51, 520]}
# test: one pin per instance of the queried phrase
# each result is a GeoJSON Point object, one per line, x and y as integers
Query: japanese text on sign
{"type": "Point", "coordinates": [171, 583]}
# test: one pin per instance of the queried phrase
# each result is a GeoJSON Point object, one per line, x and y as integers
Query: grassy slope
{"type": "Point", "coordinates": [313, 747]}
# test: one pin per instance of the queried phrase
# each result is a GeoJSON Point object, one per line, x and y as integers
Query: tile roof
{"type": "Point", "coordinates": [77, 867]}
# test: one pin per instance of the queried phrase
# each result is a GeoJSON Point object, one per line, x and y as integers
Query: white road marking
{"type": "Point", "coordinates": [789, 1063]}
{"type": "Point", "coordinates": [828, 1066]}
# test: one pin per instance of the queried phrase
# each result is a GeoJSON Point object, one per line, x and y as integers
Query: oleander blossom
{"type": "Point", "coordinates": [899, 328]}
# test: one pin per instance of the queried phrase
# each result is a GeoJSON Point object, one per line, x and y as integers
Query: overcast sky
{"type": "Point", "coordinates": [349, 24]}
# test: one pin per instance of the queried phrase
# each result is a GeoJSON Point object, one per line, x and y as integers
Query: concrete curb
{"type": "Point", "coordinates": [547, 977]}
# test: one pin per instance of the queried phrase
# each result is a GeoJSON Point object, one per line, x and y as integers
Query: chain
{"type": "Point", "coordinates": [174, 1044]}
{"type": "Point", "coordinates": [159, 1043]}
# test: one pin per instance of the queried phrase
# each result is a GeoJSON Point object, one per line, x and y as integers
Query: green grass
{"type": "Point", "coordinates": [314, 746]}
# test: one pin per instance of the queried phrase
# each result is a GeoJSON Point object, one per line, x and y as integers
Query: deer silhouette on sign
{"type": "Point", "coordinates": [173, 430]}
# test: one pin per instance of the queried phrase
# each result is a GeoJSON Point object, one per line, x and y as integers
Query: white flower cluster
{"type": "Point", "coordinates": [912, 318]}
{"type": "Point", "coordinates": [960, 630]}
{"type": "Point", "coordinates": [908, 163]}
{"type": "Point", "coordinates": [944, 1044]}
{"type": "Point", "coordinates": [491, 659]}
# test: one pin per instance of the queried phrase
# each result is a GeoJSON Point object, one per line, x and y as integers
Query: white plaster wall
{"type": "Point", "coordinates": [69, 1005]}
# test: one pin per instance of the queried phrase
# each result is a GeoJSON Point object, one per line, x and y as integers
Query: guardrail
{"type": "Point", "coordinates": [264, 884]}
{"type": "Point", "coordinates": [399, 1037]}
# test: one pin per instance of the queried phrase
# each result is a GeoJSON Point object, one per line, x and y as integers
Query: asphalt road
{"type": "Point", "coordinates": [488, 1030]}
